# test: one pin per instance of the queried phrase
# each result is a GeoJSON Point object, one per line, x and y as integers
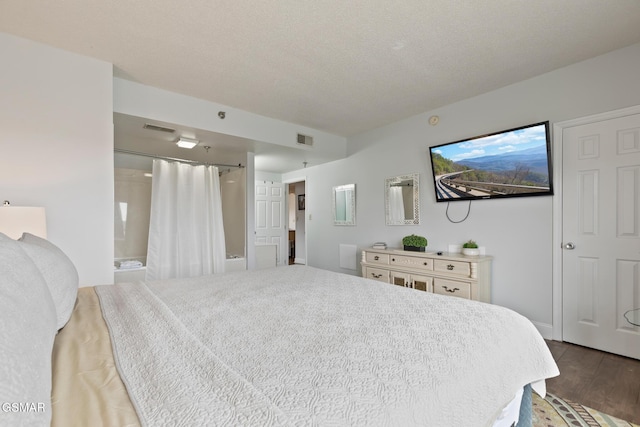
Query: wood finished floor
{"type": "Point", "coordinates": [599, 380]}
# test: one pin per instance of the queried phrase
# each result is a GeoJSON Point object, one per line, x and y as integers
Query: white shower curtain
{"type": "Point", "coordinates": [396, 204]}
{"type": "Point", "coordinates": [186, 232]}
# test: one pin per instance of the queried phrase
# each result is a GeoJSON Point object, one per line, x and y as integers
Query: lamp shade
{"type": "Point", "coordinates": [15, 220]}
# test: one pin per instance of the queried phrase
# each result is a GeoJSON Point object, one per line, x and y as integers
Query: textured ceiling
{"type": "Point", "coordinates": [334, 65]}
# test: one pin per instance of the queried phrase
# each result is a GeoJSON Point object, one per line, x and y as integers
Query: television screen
{"type": "Point", "coordinates": [511, 163]}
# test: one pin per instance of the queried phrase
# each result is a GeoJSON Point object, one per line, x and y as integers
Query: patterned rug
{"type": "Point", "coordinates": [555, 412]}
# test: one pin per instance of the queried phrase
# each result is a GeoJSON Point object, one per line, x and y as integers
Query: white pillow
{"type": "Point", "coordinates": [58, 271]}
{"type": "Point", "coordinates": [28, 319]}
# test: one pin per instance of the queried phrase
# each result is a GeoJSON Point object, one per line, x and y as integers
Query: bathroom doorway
{"type": "Point", "coordinates": [132, 209]}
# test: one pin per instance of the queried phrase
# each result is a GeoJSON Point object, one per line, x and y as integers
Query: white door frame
{"type": "Point", "coordinates": [286, 182]}
{"type": "Point", "coordinates": [250, 212]}
{"type": "Point", "coordinates": [557, 206]}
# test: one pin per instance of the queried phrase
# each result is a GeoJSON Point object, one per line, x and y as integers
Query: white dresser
{"type": "Point", "coordinates": [446, 274]}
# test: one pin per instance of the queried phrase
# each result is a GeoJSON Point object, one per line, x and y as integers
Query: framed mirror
{"type": "Point", "coordinates": [344, 205]}
{"type": "Point", "coordinates": [402, 199]}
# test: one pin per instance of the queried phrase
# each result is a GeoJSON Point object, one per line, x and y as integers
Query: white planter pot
{"type": "Point", "coordinates": [471, 251]}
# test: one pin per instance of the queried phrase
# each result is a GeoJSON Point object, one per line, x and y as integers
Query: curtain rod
{"type": "Point", "coordinates": [175, 159]}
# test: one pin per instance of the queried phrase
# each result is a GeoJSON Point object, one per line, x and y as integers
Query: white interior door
{"type": "Point", "coordinates": [601, 234]}
{"type": "Point", "coordinates": [270, 217]}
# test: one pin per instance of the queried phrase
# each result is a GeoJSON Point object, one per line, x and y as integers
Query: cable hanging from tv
{"type": "Point", "coordinates": [463, 219]}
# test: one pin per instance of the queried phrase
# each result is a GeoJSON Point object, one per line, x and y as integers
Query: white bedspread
{"type": "Point", "coordinates": [302, 346]}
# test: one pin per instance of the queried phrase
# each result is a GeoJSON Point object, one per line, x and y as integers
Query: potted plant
{"type": "Point", "coordinates": [470, 248]}
{"type": "Point", "coordinates": [414, 243]}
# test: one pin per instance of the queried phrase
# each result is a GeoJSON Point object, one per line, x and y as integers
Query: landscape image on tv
{"type": "Point", "coordinates": [510, 163]}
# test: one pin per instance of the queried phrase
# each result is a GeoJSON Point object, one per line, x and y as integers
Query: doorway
{"type": "Point", "coordinates": [132, 212]}
{"type": "Point", "coordinates": [296, 222]}
{"type": "Point", "coordinates": [280, 219]}
{"type": "Point", "coordinates": [597, 231]}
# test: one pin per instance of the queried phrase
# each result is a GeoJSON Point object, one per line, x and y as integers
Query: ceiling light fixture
{"type": "Point", "coordinates": [187, 142]}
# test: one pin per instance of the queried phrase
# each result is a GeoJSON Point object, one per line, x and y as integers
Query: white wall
{"type": "Point", "coordinates": [291, 208]}
{"type": "Point", "coordinates": [145, 101]}
{"type": "Point", "coordinates": [232, 193]}
{"type": "Point", "coordinates": [517, 232]}
{"type": "Point", "coordinates": [132, 197]}
{"type": "Point", "coordinates": [56, 145]}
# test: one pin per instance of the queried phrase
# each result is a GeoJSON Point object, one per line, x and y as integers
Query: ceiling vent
{"type": "Point", "coordinates": [158, 128]}
{"type": "Point", "coordinates": [305, 140]}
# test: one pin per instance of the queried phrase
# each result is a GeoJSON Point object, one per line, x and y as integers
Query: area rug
{"type": "Point", "coordinates": [555, 412]}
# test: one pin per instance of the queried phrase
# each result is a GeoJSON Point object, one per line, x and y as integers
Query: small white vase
{"type": "Point", "coordinates": [471, 251]}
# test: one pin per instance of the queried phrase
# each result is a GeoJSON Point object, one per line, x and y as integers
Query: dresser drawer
{"type": "Point", "coordinates": [452, 287]}
{"type": "Point", "coordinates": [452, 267]}
{"type": "Point", "coordinates": [375, 258]}
{"type": "Point", "coordinates": [376, 274]}
{"type": "Point", "coordinates": [412, 261]}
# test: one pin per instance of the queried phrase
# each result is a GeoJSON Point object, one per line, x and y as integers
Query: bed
{"type": "Point", "coordinates": [289, 345]}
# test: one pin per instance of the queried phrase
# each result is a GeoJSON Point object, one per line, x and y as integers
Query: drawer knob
{"type": "Point", "coordinates": [425, 263]}
{"type": "Point", "coordinates": [393, 259]}
{"type": "Point", "coordinates": [377, 276]}
{"type": "Point", "coordinates": [376, 258]}
{"type": "Point", "coordinates": [450, 290]}
{"type": "Point", "coordinates": [449, 267]}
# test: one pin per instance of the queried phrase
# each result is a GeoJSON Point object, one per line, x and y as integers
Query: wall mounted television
{"type": "Point", "coordinates": [510, 163]}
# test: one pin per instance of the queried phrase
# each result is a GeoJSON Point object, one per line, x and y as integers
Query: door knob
{"type": "Point", "coordinates": [570, 246]}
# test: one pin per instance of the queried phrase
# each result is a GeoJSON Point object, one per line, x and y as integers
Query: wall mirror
{"type": "Point", "coordinates": [402, 199]}
{"type": "Point", "coordinates": [344, 204]}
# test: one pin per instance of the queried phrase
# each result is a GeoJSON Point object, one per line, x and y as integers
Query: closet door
{"type": "Point", "coordinates": [601, 235]}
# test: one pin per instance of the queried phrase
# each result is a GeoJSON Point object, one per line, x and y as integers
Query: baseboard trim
{"type": "Point", "coordinates": [545, 330]}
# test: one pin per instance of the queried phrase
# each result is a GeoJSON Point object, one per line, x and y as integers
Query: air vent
{"type": "Point", "coordinates": [305, 140]}
{"type": "Point", "coordinates": [158, 128]}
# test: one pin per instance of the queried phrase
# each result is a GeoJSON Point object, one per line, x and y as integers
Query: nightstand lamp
{"type": "Point", "coordinates": [15, 220]}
